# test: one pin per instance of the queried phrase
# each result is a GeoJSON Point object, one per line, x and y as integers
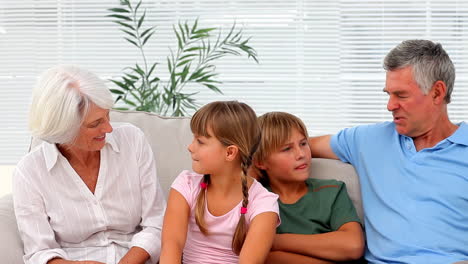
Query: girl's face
{"type": "Point", "coordinates": [207, 154]}
{"type": "Point", "coordinates": [291, 162]}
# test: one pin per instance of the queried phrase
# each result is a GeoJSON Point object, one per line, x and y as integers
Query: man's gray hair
{"type": "Point", "coordinates": [429, 61]}
{"type": "Point", "coordinates": [61, 99]}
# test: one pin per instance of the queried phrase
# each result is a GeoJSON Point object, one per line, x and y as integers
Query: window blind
{"type": "Point", "coordinates": [320, 60]}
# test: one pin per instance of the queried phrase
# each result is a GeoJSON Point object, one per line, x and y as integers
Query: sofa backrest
{"type": "Point", "coordinates": [170, 136]}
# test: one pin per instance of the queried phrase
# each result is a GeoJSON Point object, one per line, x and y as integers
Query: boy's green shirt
{"type": "Point", "coordinates": [324, 208]}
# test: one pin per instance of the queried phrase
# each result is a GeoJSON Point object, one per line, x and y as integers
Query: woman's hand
{"type": "Point", "coordinates": [135, 255]}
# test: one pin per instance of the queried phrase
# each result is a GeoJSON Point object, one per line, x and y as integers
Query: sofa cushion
{"type": "Point", "coordinates": [169, 138]}
{"type": "Point", "coordinates": [11, 247]}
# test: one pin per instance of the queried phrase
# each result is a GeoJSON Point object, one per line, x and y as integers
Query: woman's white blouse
{"type": "Point", "coordinates": [58, 216]}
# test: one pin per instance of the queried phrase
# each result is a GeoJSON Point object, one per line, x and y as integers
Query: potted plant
{"type": "Point", "coordinates": [139, 86]}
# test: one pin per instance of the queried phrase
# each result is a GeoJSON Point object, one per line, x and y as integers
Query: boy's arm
{"type": "Point", "coordinates": [344, 244]}
{"type": "Point", "coordinates": [259, 238]}
{"type": "Point", "coordinates": [175, 227]}
{"type": "Point", "coordinates": [320, 147]}
{"type": "Point", "coordinates": [283, 257]}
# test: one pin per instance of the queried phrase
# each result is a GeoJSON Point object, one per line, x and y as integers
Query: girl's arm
{"type": "Point", "coordinates": [344, 244]}
{"type": "Point", "coordinates": [175, 227]}
{"type": "Point", "coordinates": [259, 238]}
{"type": "Point", "coordinates": [282, 257]}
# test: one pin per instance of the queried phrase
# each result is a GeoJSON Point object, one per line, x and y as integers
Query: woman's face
{"type": "Point", "coordinates": [92, 134]}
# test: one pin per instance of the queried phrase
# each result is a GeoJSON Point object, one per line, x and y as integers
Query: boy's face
{"type": "Point", "coordinates": [291, 162]}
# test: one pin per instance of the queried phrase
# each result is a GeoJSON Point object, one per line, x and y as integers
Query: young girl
{"type": "Point", "coordinates": [319, 223]}
{"type": "Point", "coordinates": [218, 214]}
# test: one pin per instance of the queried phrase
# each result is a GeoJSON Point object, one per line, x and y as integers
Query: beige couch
{"type": "Point", "coordinates": [169, 138]}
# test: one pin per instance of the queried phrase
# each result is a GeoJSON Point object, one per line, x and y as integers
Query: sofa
{"type": "Point", "coordinates": [169, 138]}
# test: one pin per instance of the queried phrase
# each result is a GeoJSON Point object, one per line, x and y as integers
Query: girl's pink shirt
{"type": "Point", "coordinates": [216, 247]}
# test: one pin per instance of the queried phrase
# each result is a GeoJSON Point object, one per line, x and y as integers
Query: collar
{"type": "Point", "coordinates": [51, 152]}
{"type": "Point", "coordinates": [110, 139]}
{"type": "Point", "coordinates": [461, 135]}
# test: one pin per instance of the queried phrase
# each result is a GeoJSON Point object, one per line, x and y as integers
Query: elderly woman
{"type": "Point", "coordinates": [89, 193]}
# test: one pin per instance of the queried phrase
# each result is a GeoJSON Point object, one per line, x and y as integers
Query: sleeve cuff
{"type": "Point", "coordinates": [149, 239]}
{"type": "Point", "coordinates": [335, 148]}
{"type": "Point", "coordinates": [43, 256]}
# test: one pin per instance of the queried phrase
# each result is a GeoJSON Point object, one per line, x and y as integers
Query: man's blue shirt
{"type": "Point", "coordinates": [415, 203]}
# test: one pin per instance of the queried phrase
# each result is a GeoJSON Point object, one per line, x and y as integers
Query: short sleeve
{"type": "Point", "coordinates": [262, 201]}
{"type": "Point", "coordinates": [343, 210]}
{"type": "Point", "coordinates": [344, 144]}
{"type": "Point", "coordinates": [188, 185]}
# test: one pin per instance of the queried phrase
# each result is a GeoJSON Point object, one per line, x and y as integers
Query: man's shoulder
{"type": "Point", "coordinates": [369, 132]}
{"type": "Point", "coordinates": [377, 127]}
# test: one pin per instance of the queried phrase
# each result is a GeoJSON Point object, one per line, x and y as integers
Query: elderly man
{"type": "Point", "coordinates": [413, 171]}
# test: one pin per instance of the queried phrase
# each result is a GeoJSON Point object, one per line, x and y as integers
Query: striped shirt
{"type": "Point", "coordinates": [58, 215]}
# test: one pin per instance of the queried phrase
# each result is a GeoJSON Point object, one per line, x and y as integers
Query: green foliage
{"type": "Point", "coordinates": [193, 62]}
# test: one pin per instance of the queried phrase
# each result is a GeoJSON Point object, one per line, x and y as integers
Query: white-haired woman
{"type": "Point", "coordinates": [89, 193]}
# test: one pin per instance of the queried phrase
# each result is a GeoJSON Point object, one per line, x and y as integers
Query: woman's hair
{"type": "Point", "coordinates": [276, 129]}
{"type": "Point", "coordinates": [61, 99]}
{"type": "Point", "coordinates": [232, 123]}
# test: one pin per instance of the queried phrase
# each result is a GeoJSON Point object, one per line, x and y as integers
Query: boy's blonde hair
{"type": "Point", "coordinates": [232, 123]}
{"type": "Point", "coordinates": [276, 129]}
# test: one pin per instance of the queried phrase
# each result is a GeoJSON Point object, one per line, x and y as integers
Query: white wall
{"type": "Point", "coordinates": [6, 172]}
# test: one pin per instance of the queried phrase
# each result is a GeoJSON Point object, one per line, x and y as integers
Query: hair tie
{"type": "Point", "coordinates": [243, 210]}
{"type": "Point", "coordinates": [203, 185]}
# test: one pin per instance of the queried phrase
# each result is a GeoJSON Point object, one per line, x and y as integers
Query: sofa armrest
{"type": "Point", "coordinates": [11, 247]}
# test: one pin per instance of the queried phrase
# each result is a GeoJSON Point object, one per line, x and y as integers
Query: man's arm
{"type": "Point", "coordinates": [321, 148]}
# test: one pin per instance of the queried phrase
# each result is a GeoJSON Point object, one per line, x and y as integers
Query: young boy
{"type": "Point", "coordinates": [319, 223]}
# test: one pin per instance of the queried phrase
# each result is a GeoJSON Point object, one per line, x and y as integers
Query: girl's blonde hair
{"type": "Point", "coordinates": [232, 123]}
{"type": "Point", "coordinates": [276, 129]}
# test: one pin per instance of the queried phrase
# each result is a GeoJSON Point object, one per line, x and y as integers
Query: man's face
{"type": "Point", "coordinates": [413, 111]}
